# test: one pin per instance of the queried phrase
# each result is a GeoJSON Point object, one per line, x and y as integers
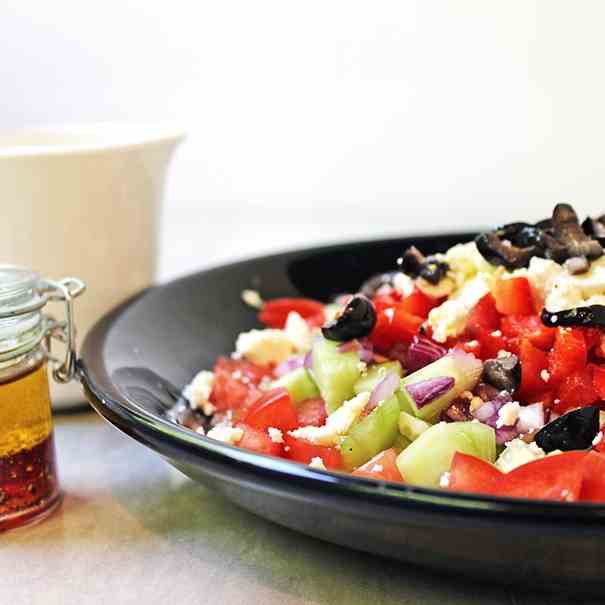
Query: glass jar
{"type": "Point", "coordinates": [29, 488]}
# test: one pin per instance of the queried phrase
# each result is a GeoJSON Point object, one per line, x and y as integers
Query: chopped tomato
{"type": "Point", "coordinates": [387, 300]}
{"type": "Point", "coordinates": [530, 327]}
{"type": "Point", "coordinates": [302, 450]}
{"type": "Point", "coordinates": [491, 343]}
{"type": "Point", "coordinates": [311, 412]}
{"type": "Point", "coordinates": [568, 354]}
{"type": "Point", "coordinates": [393, 326]}
{"type": "Point", "coordinates": [513, 296]}
{"type": "Point", "coordinates": [533, 361]}
{"type": "Point", "coordinates": [236, 383]}
{"type": "Point", "coordinates": [592, 336]}
{"type": "Point", "coordinates": [470, 346]}
{"type": "Point", "coordinates": [593, 485]}
{"type": "Point", "coordinates": [382, 466]}
{"type": "Point", "coordinates": [484, 317]}
{"type": "Point", "coordinates": [274, 313]}
{"type": "Point", "coordinates": [598, 379]}
{"type": "Point", "coordinates": [274, 408]}
{"type": "Point", "coordinates": [556, 477]}
{"type": "Point", "coordinates": [576, 390]}
{"type": "Point", "coordinates": [472, 474]}
{"type": "Point", "coordinates": [599, 446]}
{"type": "Point", "coordinates": [419, 304]}
{"type": "Point", "coordinates": [546, 398]}
{"type": "Point", "coordinates": [258, 440]}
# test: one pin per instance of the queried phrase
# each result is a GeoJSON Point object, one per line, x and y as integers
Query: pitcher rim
{"type": "Point", "coordinates": [104, 136]}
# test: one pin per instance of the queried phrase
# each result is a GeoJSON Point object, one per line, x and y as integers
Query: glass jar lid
{"type": "Point", "coordinates": [23, 326]}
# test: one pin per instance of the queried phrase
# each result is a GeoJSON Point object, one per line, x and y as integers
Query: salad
{"type": "Point", "coordinates": [481, 369]}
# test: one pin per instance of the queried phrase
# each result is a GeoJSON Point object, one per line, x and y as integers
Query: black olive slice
{"type": "Point", "coordinates": [595, 228]}
{"type": "Point", "coordinates": [590, 316]}
{"type": "Point", "coordinates": [502, 252]}
{"type": "Point", "coordinates": [572, 431]}
{"type": "Point", "coordinates": [357, 320]}
{"type": "Point", "coordinates": [371, 286]}
{"type": "Point", "coordinates": [503, 374]}
{"type": "Point", "coordinates": [415, 264]}
{"type": "Point", "coordinates": [567, 230]}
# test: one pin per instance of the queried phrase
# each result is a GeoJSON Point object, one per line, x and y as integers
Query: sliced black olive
{"type": "Point", "coordinates": [503, 373]}
{"type": "Point", "coordinates": [415, 264]}
{"type": "Point", "coordinates": [593, 315]}
{"type": "Point", "coordinates": [595, 228]}
{"type": "Point", "coordinates": [503, 253]}
{"type": "Point", "coordinates": [567, 230]}
{"type": "Point", "coordinates": [371, 286]}
{"type": "Point", "coordinates": [572, 431]}
{"type": "Point", "coordinates": [356, 320]}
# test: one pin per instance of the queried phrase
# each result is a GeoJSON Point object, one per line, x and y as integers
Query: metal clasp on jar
{"type": "Point", "coordinates": [49, 328]}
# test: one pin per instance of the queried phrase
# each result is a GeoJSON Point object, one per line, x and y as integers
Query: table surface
{"type": "Point", "coordinates": [134, 530]}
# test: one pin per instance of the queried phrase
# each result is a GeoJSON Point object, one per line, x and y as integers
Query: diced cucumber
{"type": "Point", "coordinates": [401, 443]}
{"type": "Point", "coordinates": [405, 401]}
{"type": "Point", "coordinates": [299, 384]}
{"type": "Point", "coordinates": [375, 374]}
{"type": "Point", "coordinates": [463, 367]}
{"type": "Point", "coordinates": [412, 427]}
{"type": "Point", "coordinates": [428, 457]}
{"type": "Point", "coordinates": [335, 373]}
{"type": "Point", "coordinates": [371, 435]}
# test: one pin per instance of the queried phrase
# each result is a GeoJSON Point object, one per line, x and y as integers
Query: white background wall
{"type": "Point", "coordinates": [330, 119]}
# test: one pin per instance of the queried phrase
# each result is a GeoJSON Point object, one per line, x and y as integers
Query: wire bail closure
{"type": "Point", "coordinates": [65, 290]}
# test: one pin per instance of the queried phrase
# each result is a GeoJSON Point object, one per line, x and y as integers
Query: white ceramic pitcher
{"type": "Point", "coordinates": [85, 201]}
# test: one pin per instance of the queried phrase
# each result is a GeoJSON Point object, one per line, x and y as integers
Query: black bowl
{"type": "Point", "coordinates": [136, 360]}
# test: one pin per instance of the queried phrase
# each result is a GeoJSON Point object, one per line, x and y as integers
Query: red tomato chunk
{"type": "Point", "coordinates": [275, 312]}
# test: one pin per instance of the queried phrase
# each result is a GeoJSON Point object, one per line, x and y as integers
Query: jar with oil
{"type": "Point", "coordinates": [29, 488]}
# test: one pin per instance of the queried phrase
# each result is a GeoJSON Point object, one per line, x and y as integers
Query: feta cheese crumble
{"type": "Point", "coordinates": [298, 331]}
{"type": "Point", "coordinates": [337, 424]}
{"type": "Point", "coordinates": [275, 434]}
{"type": "Point", "coordinates": [264, 346]}
{"type": "Point", "coordinates": [444, 480]}
{"type": "Point", "coordinates": [516, 453]}
{"type": "Point", "coordinates": [252, 298]}
{"type": "Point", "coordinates": [226, 433]}
{"type": "Point", "coordinates": [317, 463]}
{"type": "Point", "coordinates": [598, 438]}
{"type": "Point", "coordinates": [508, 414]}
{"type": "Point", "coordinates": [198, 392]}
{"type": "Point", "coordinates": [545, 375]}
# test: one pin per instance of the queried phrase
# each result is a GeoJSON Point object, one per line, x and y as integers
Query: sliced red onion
{"type": "Point", "coordinates": [366, 355]}
{"type": "Point", "coordinates": [421, 353]}
{"type": "Point", "coordinates": [505, 434]}
{"type": "Point", "coordinates": [425, 391]}
{"type": "Point", "coordinates": [385, 388]}
{"type": "Point", "coordinates": [308, 362]}
{"type": "Point", "coordinates": [285, 367]}
{"type": "Point", "coordinates": [531, 417]}
{"type": "Point", "coordinates": [488, 412]}
{"type": "Point", "coordinates": [469, 367]}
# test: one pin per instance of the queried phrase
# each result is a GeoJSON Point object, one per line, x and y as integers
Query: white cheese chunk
{"type": "Point", "coordinates": [403, 283]}
{"type": "Point", "coordinates": [264, 346]}
{"type": "Point", "coordinates": [298, 331]}
{"type": "Point", "coordinates": [449, 318]}
{"type": "Point", "coordinates": [508, 414]}
{"type": "Point", "coordinates": [275, 434]}
{"type": "Point", "coordinates": [198, 392]}
{"type": "Point", "coordinates": [337, 424]}
{"type": "Point", "coordinates": [318, 463]}
{"type": "Point", "coordinates": [226, 433]}
{"type": "Point", "coordinates": [516, 453]}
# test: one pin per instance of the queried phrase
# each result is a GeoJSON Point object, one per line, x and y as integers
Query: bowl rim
{"type": "Point", "coordinates": [133, 419]}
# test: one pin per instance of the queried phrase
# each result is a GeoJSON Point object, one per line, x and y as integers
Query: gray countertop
{"type": "Point", "coordinates": [134, 530]}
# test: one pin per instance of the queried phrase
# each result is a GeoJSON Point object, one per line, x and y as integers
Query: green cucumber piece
{"type": "Point", "coordinates": [406, 403]}
{"type": "Point", "coordinates": [463, 367]}
{"type": "Point", "coordinates": [401, 443]}
{"type": "Point", "coordinates": [299, 384]}
{"type": "Point", "coordinates": [370, 378]}
{"type": "Point", "coordinates": [335, 373]}
{"type": "Point", "coordinates": [371, 435]}
{"type": "Point", "coordinates": [412, 427]}
{"type": "Point", "coordinates": [425, 460]}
